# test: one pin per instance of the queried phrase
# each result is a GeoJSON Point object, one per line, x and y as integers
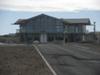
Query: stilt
{"type": "Point", "coordinates": [83, 37]}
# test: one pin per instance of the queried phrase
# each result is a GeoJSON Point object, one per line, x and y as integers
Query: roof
{"type": "Point", "coordinates": [21, 21]}
{"type": "Point", "coordinates": [82, 21]}
{"type": "Point", "coordinates": [24, 21]}
{"type": "Point", "coordinates": [85, 21]}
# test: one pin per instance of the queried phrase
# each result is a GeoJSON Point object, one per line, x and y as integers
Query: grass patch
{"type": "Point", "coordinates": [21, 60]}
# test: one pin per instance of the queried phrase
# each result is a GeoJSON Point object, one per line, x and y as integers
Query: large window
{"type": "Point", "coordinates": [59, 28]}
{"type": "Point", "coordinates": [73, 28]}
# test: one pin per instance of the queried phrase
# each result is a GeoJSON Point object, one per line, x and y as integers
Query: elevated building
{"type": "Point", "coordinates": [46, 28]}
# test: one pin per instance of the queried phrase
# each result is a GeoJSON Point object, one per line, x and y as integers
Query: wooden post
{"type": "Point", "coordinates": [54, 38]}
{"type": "Point", "coordinates": [94, 30]}
{"type": "Point", "coordinates": [64, 39]}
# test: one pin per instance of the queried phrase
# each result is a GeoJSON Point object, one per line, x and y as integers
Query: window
{"type": "Point", "coordinates": [77, 29]}
{"type": "Point", "coordinates": [59, 28]}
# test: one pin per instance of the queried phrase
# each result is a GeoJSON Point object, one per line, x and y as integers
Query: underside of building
{"type": "Point", "coordinates": [45, 29]}
{"type": "Point", "coordinates": [50, 37]}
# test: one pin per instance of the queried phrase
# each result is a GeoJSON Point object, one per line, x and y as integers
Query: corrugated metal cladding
{"type": "Point", "coordinates": [43, 23]}
{"type": "Point", "coordinates": [51, 28]}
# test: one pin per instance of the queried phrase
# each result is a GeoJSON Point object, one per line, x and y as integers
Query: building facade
{"type": "Point", "coordinates": [46, 28]}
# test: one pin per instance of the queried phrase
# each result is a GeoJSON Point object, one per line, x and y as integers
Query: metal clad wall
{"type": "Point", "coordinates": [44, 24]}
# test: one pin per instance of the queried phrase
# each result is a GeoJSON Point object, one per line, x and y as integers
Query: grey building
{"type": "Point", "coordinates": [46, 28]}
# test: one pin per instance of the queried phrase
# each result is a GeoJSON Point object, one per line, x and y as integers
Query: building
{"type": "Point", "coordinates": [98, 37]}
{"type": "Point", "coordinates": [46, 28]}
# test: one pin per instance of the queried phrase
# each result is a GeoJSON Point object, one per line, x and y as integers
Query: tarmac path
{"type": "Point", "coordinates": [71, 59]}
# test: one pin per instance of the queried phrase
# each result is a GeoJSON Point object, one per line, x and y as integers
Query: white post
{"type": "Point", "coordinates": [83, 37]}
{"type": "Point", "coordinates": [43, 38]}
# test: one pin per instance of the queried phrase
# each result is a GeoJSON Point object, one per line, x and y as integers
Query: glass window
{"type": "Point", "coordinates": [59, 28]}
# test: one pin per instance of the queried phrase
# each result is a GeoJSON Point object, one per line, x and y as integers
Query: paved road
{"type": "Point", "coordinates": [71, 59]}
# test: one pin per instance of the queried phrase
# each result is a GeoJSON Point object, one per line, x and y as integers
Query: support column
{"type": "Point", "coordinates": [43, 38]}
{"type": "Point", "coordinates": [54, 38]}
{"type": "Point", "coordinates": [64, 39]}
{"type": "Point", "coordinates": [32, 37]}
{"type": "Point", "coordinates": [83, 37]}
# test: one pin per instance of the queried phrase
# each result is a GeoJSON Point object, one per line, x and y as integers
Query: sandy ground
{"type": "Point", "coordinates": [21, 60]}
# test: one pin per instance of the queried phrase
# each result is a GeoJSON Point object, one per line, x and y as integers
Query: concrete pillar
{"type": "Point", "coordinates": [43, 38]}
{"type": "Point", "coordinates": [83, 37]}
{"type": "Point", "coordinates": [54, 39]}
{"type": "Point", "coordinates": [33, 38]}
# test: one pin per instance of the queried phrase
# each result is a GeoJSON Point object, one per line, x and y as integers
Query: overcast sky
{"type": "Point", "coordinates": [12, 10]}
{"type": "Point", "coordinates": [49, 5]}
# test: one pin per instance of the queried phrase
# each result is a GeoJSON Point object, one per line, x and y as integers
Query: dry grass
{"type": "Point", "coordinates": [21, 60]}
